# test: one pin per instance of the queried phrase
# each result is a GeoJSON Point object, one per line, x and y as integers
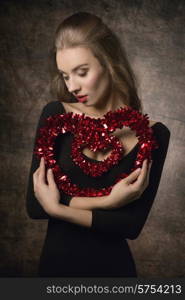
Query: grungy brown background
{"type": "Point", "coordinates": [153, 35]}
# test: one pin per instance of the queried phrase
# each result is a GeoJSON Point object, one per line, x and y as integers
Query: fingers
{"type": "Point", "coordinates": [141, 172]}
{"type": "Point", "coordinates": [41, 175]}
{"type": "Point", "coordinates": [145, 173]}
{"type": "Point", "coordinates": [36, 173]}
{"type": "Point", "coordinates": [133, 176]}
{"type": "Point", "coordinates": [50, 178]}
{"type": "Point", "coordinates": [35, 176]}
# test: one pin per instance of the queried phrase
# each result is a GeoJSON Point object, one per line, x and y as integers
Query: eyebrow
{"type": "Point", "coordinates": [77, 67]}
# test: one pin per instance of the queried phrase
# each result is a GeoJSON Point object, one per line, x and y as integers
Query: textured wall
{"type": "Point", "coordinates": [152, 32]}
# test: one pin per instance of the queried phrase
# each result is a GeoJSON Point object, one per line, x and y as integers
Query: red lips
{"type": "Point", "coordinates": [82, 98]}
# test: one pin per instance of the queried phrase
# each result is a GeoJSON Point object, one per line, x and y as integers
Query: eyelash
{"type": "Point", "coordinates": [81, 75]}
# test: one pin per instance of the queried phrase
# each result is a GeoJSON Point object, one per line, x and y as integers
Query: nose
{"type": "Point", "coordinates": [73, 85]}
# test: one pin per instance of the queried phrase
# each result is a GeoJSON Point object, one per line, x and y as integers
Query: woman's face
{"type": "Point", "coordinates": [84, 75]}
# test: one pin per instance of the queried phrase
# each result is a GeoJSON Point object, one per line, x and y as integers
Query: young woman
{"type": "Point", "coordinates": [86, 236]}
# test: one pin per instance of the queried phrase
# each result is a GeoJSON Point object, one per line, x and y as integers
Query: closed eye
{"type": "Point", "coordinates": [82, 74]}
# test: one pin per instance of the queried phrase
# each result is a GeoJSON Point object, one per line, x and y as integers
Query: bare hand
{"type": "Point", "coordinates": [129, 188]}
{"type": "Point", "coordinates": [48, 195]}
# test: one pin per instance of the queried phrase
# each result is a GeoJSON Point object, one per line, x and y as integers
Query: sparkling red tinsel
{"type": "Point", "coordinates": [96, 135]}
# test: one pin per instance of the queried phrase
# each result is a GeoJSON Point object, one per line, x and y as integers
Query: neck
{"type": "Point", "coordinates": [114, 102]}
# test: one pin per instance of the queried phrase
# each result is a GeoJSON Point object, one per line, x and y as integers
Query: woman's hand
{"type": "Point", "coordinates": [48, 195]}
{"type": "Point", "coordinates": [129, 188]}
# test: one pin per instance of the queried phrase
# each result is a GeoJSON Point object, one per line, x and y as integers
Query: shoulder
{"type": "Point", "coordinates": [159, 127]}
{"type": "Point", "coordinates": [60, 107]}
{"type": "Point", "coordinates": [52, 107]}
{"type": "Point", "coordinates": [162, 134]}
{"type": "Point", "coordinates": [74, 107]}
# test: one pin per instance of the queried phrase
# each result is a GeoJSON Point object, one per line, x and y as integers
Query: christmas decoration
{"type": "Point", "coordinates": [97, 135]}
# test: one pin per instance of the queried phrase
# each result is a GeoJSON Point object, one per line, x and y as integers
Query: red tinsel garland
{"type": "Point", "coordinates": [96, 135]}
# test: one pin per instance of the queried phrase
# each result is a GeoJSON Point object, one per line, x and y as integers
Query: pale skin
{"type": "Point", "coordinates": [95, 84]}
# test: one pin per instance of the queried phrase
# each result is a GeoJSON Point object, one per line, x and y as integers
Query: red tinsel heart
{"type": "Point", "coordinates": [96, 135]}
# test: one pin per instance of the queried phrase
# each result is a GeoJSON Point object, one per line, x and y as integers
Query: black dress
{"type": "Point", "coordinates": [72, 250]}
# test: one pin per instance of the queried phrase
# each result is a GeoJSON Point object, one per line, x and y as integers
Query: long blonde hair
{"type": "Point", "coordinates": [87, 30]}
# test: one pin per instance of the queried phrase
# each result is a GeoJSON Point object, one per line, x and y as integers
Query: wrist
{"type": "Point", "coordinates": [105, 201]}
{"type": "Point", "coordinates": [55, 210]}
{"type": "Point", "coordinates": [100, 202]}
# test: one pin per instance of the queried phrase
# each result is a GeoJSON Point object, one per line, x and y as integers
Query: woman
{"type": "Point", "coordinates": [86, 236]}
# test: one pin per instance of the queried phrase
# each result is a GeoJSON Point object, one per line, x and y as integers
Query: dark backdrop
{"type": "Point", "coordinates": [153, 34]}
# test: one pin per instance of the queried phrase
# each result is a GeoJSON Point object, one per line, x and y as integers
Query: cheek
{"type": "Point", "coordinates": [96, 81]}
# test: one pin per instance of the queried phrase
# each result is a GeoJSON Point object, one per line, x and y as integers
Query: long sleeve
{"type": "Point", "coordinates": [128, 221]}
{"type": "Point", "coordinates": [34, 209]}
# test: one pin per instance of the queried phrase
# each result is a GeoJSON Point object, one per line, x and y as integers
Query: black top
{"type": "Point", "coordinates": [73, 250]}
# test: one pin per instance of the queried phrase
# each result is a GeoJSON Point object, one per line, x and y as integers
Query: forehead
{"type": "Point", "coordinates": [68, 58]}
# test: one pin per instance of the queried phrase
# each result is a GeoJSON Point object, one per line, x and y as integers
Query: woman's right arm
{"type": "Point", "coordinates": [34, 209]}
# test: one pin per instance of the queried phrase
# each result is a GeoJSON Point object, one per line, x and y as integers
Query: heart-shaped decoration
{"type": "Point", "coordinates": [96, 138]}
{"type": "Point", "coordinates": [96, 135]}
